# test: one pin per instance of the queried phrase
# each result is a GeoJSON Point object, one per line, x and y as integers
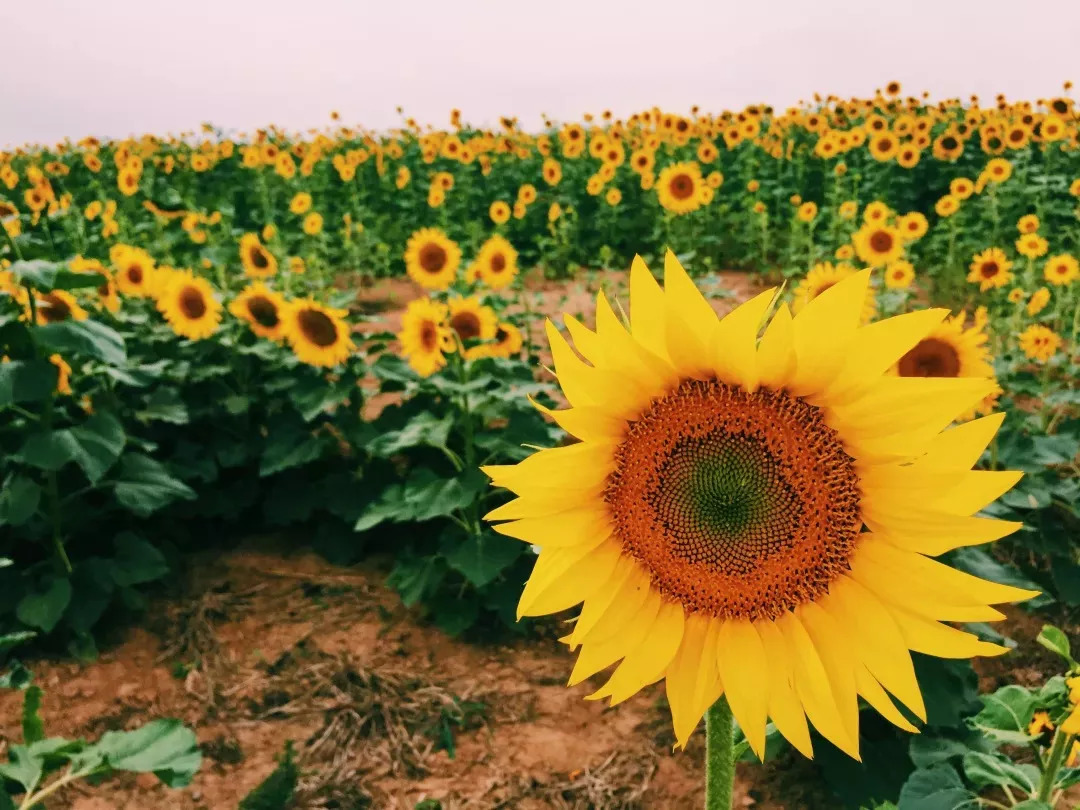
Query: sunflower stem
{"type": "Point", "coordinates": [1054, 761]}
{"type": "Point", "coordinates": [719, 756]}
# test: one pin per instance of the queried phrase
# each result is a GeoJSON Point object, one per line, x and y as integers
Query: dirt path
{"type": "Point", "coordinates": [266, 646]}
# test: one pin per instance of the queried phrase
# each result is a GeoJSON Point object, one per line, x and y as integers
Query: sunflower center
{"type": "Point", "coordinates": [432, 257]}
{"type": "Point", "coordinates": [191, 303]}
{"type": "Point", "coordinates": [317, 327]}
{"type": "Point", "coordinates": [989, 269]}
{"type": "Point", "coordinates": [740, 505]}
{"type": "Point", "coordinates": [135, 274]}
{"type": "Point", "coordinates": [931, 357]}
{"type": "Point", "coordinates": [258, 259]}
{"type": "Point", "coordinates": [53, 308]}
{"type": "Point", "coordinates": [263, 311]}
{"type": "Point", "coordinates": [498, 263]}
{"type": "Point", "coordinates": [682, 187]}
{"type": "Point", "coordinates": [881, 241]}
{"type": "Point", "coordinates": [949, 142]}
{"type": "Point", "coordinates": [466, 324]}
{"type": "Point", "coordinates": [429, 336]}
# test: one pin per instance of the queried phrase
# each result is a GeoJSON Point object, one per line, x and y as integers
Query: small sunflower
{"type": "Point", "coordinates": [961, 188]}
{"type": "Point", "coordinates": [432, 258]}
{"type": "Point", "coordinates": [807, 212]}
{"type": "Point", "coordinates": [883, 146]}
{"type": "Point", "coordinates": [845, 252]}
{"type": "Point", "coordinates": [1032, 246]}
{"type": "Point", "coordinates": [848, 209]}
{"type": "Point", "coordinates": [300, 203]}
{"type": "Point", "coordinates": [499, 211]}
{"type": "Point", "coordinates": [757, 519]}
{"type": "Point", "coordinates": [258, 262]}
{"type": "Point", "coordinates": [1028, 223]}
{"type": "Point", "coordinates": [990, 269]}
{"type": "Point", "coordinates": [1038, 301]}
{"type": "Point", "coordinates": [912, 226]}
{"type": "Point", "coordinates": [1016, 295]}
{"type": "Point", "coordinates": [507, 341]}
{"type": "Point", "coordinates": [947, 206]}
{"type": "Point", "coordinates": [878, 245]}
{"type": "Point", "coordinates": [999, 170]}
{"type": "Point", "coordinates": [876, 213]}
{"type": "Point", "coordinates": [189, 305]}
{"type": "Point", "coordinates": [1039, 343]}
{"type": "Point", "coordinates": [471, 320]}
{"type": "Point", "coordinates": [496, 262]}
{"type": "Point", "coordinates": [949, 350]}
{"type": "Point", "coordinates": [899, 275]}
{"type": "Point", "coordinates": [318, 335]}
{"type": "Point", "coordinates": [1061, 270]}
{"type": "Point", "coordinates": [425, 337]}
{"type": "Point", "coordinates": [679, 187]}
{"type": "Point", "coordinates": [134, 270]}
{"type": "Point", "coordinates": [58, 306]}
{"type": "Point", "coordinates": [262, 309]}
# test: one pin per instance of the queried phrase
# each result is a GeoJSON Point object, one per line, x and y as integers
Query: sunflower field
{"type": "Point", "coordinates": [346, 337]}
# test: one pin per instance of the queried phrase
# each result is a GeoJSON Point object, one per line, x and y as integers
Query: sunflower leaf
{"type": "Point", "coordinates": [480, 558]}
{"type": "Point", "coordinates": [26, 381]}
{"type": "Point", "coordinates": [46, 276]}
{"type": "Point", "coordinates": [145, 486]}
{"type": "Point", "coordinates": [83, 338]}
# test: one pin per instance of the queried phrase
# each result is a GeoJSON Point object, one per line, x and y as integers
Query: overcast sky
{"type": "Point", "coordinates": [120, 67]}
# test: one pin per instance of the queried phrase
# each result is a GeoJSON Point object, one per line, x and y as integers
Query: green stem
{"type": "Point", "coordinates": [1053, 764]}
{"type": "Point", "coordinates": [719, 756]}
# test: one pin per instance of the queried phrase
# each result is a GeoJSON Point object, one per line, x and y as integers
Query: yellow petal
{"type": "Point", "coordinates": [734, 342]}
{"type": "Point", "coordinates": [590, 424]}
{"type": "Point", "coordinates": [830, 641]}
{"type": "Point", "coordinates": [689, 320]}
{"type": "Point", "coordinates": [647, 320]}
{"type": "Point", "coordinates": [648, 661]}
{"type": "Point", "coordinates": [598, 655]}
{"type": "Point", "coordinates": [873, 694]}
{"type": "Point", "coordinates": [563, 577]}
{"type": "Point", "coordinates": [602, 618]}
{"type": "Point", "coordinates": [822, 332]}
{"type": "Point", "coordinates": [692, 682]}
{"type": "Point", "coordinates": [585, 340]}
{"type": "Point", "coordinates": [582, 526]}
{"type": "Point", "coordinates": [582, 466]}
{"type": "Point", "coordinates": [784, 707]}
{"type": "Point", "coordinates": [932, 638]}
{"type": "Point", "coordinates": [812, 685]}
{"type": "Point", "coordinates": [776, 352]}
{"type": "Point", "coordinates": [574, 376]}
{"type": "Point", "coordinates": [962, 446]}
{"type": "Point", "coordinates": [933, 533]}
{"type": "Point", "coordinates": [976, 491]}
{"type": "Point", "coordinates": [744, 671]}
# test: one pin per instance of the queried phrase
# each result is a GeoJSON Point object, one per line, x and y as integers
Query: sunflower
{"type": "Point", "coordinates": [845, 252]}
{"type": "Point", "coordinates": [58, 306]}
{"type": "Point", "coordinates": [823, 276]}
{"type": "Point", "coordinates": [908, 157]}
{"type": "Point", "coordinates": [1016, 295]}
{"type": "Point", "coordinates": [1028, 223]}
{"type": "Point", "coordinates": [432, 259]}
{"type": "Point", "coordinates": [499, 211]}
{"type": "Point", "coordinates": [712, 516]}
{"type": "Point", "coordinates": [1061, 269]}
{"type": "Point", "coordinates": [189, 305]}
{"type": "Point", "coordinates": [471, 320]}
{"type": "Point", "coordinates": [876, 213]}
{"type": "Point", "coordinates": [497, 262]}
{"type": "Point", "coordinates": [613, 196]}
{"type": "Point", "coordinates": [1039, 343]}
{"type": "Point", "coordinates": [262, 309]}
{"type": "Point", "coordinates": [318, 335]}
{"type": "Point", "coordinates": [990, 269]}
{"type": "Point", "coordinates": [899, 275]}
{"type": "Point", "coordinates": [878, 245]}
{"type": "Point", "coordinates": [679, 187]}
{"type": "Point", "coordinates": [552, 172]}
{"type": "Point", "coordinates": [425, 337]}
{"type": "Point", "coordinates": [884, 146]}
{"type": "Point", "coordinates": [134, 269]}
{"type": "Point", "coordinates": [949, 350]}
{"type": "Point", "coordinates": [947, 206]}
{"type": "Point", "coordinates": [313, 224]}
{"type": "Point", "coordinates": [848, 209]}
{"type": "Point", "coordinates": [300, 203]}
{"type": "Point", "coordinates": [948, 146]}
{"type": "Point", "coordinates": [1017, 136]}
{"type": "Point", "coordinates": [807, 211]}
{"type": "Point", "coordinates": [1038, 301]}
{"type": "Point", "coordinates": [258, 262]}
{"type": "Point", "coordinates": [1031, 245]}
{"type": "Point", "coordinates": [507, 341]}
{"type": "Point", "coordinates": [999, 170]}
{"type": "Point", "coordinates": [912, 226]}
{"type": "Point", "coordinates": [961, 188]}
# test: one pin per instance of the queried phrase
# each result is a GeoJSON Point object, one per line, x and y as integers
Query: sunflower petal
{"type": "Point", "coordinates": [602, 617]}
{"type": "Point", "coordinates": [784, 707]}
{"type": "Point", "coordinates": [689, 320]}
{"type": "Point", "coordinates": [934, 638]}
{"type": "Point", "coordinates": [586, 341]}
{"type": "Point", "coordinates": [597, 655]}
{"type": "Point", "coordinates": [648, 320]}
{"type": "Point", "coordinates": [692, 682]}
{"type": "Point", "coordinates": [829, 640]}
{"type": "Point", "coordinates": [561, 578]}
{"type": "Point", "coordinates": [582, 526]}
{"type": "Point", "coordinates": [873, 694]}
{"type": "Point", "coordinates": [776, 352]}
{"type": "Point", "coordinates": [646, 664]}
{"type": "Point", "coordinates": [734, 342]}
{"type": "Point", "coordinates": [744, 671]}
{"type": "Point", "coordinates": [823, 330]}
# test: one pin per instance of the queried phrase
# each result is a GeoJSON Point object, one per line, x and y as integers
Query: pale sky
{"type": "Point", "coordinates": [121, 67]}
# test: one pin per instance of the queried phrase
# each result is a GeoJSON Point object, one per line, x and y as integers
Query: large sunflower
{"type": "Point", "coordinates": [258, 262]}
{"type": "Point", "coordinates": [497, 262]}
{"type": "Point", "coordinates": [989, 269]}
{"type": "Point", "coordinates": [878, 245]}
{"type": "Point", "coordinates": [189, 305]}
{"type": "Point", "coordinates": [471, 320]}
{"type": "Point", "coordinates": [679, 187]}
{"type": "Point", "coordinates": [263, 310]}
{"type": "Point", "coordinates": [432, 259]}
{"type": "Point", "coordinates": [757, 519]}
{"type": "Point", "coordinates": [135, 269]}
{"type": "Point", "coordinates": [319, 335]}
{"type": "Point", "coordinates": [425, 337]}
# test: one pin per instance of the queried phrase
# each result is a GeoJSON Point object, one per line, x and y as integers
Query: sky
{"type": "Point", "coordinates": [125, 67]}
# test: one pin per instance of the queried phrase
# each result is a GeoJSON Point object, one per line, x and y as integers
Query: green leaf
{"type": "Point", "coordinates": [1032, 804]}
{"type": "Point", "coordinates": [164, 405]}
{"type": "Point", "coordinates": [33, 728]}
{"type": "Point", "coordinates": [936, 788]}
{"type": "Point", "coordinates": [415, 578]}
{"type": "Point", "coordinates": [289, 447]}
{"type": "Point", "coordinates": [96, 444]}
{"type": "Point", "coordinates": [9, 641]}
{"type": "Point", "coordinates": [926, 750]}
{"type": "Point", "coordinates": [165, 748]}
{"type": "Point", "coordinates": [45, 276]}
{"type": "Point", "coordinates": [26, 381]}
{"type": "Point", "coordinates": [145, 486]}
{"type": "Point", "coordinates": [481, 558]}
{"type": "Point", "coordinates": [22, 767]}
{"type": "Point", "coordinates": [46, 450]}
{"type": "Point", "coordinates": [423, 429]}
{"type": "Point", "coordinates": [19, 500]}
{"type": "Point", "coordinates": [42, 606]}
{"type": "Point", "coordinates": [84, 339]}
{"type": "Point", "coordinates": [1056, 641]}
{"type": "Point", "coordinates": [275, 791]}
{"type": "Point", "coordinates": [1006, 715]}
{"type": "Point", "coordinates": [994, 769]}
{"type": "Point", "coordinates": [137, 561]}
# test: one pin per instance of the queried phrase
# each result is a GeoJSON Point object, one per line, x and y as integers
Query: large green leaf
{"type": "Point", "coordinates": [44, 604]}
{"type": "Point", "coordinates": [145, 486]}
{"type": "Point", "coordinates": [22, 767]}
{"type": "Point", "coordinates": [164, 405]}
{"type": "Point", "coordinates": [936, 788]}
{"type": "Point", "coordinates": [423, 429]}
{"type": "Point", "coordinates": [26, 381]}
{"type": "Point", "coordinates": [137, 561]}
{"type": "Point", "coordinates": [84, 339]}
{"type": "Point", "coordinates": [481, 558]}
{"type": "Point", "coordinates": [165, 748]}
{"type": "Point", "coordinates": [94, 445]}
{"type": "Point", "coordinates": [985, 770]}
{"type": "Point", "coordinates": [1006, 715]}
{"type": "Point", "coordinates": [19, 500]}
{"type": "Point", "coordinates": [289, 447]}
{"type": "Point", "coordinates": [45, 276]}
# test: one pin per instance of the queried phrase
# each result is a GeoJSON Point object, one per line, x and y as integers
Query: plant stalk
{"type": "Point", "coordinates": [719, 756]}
